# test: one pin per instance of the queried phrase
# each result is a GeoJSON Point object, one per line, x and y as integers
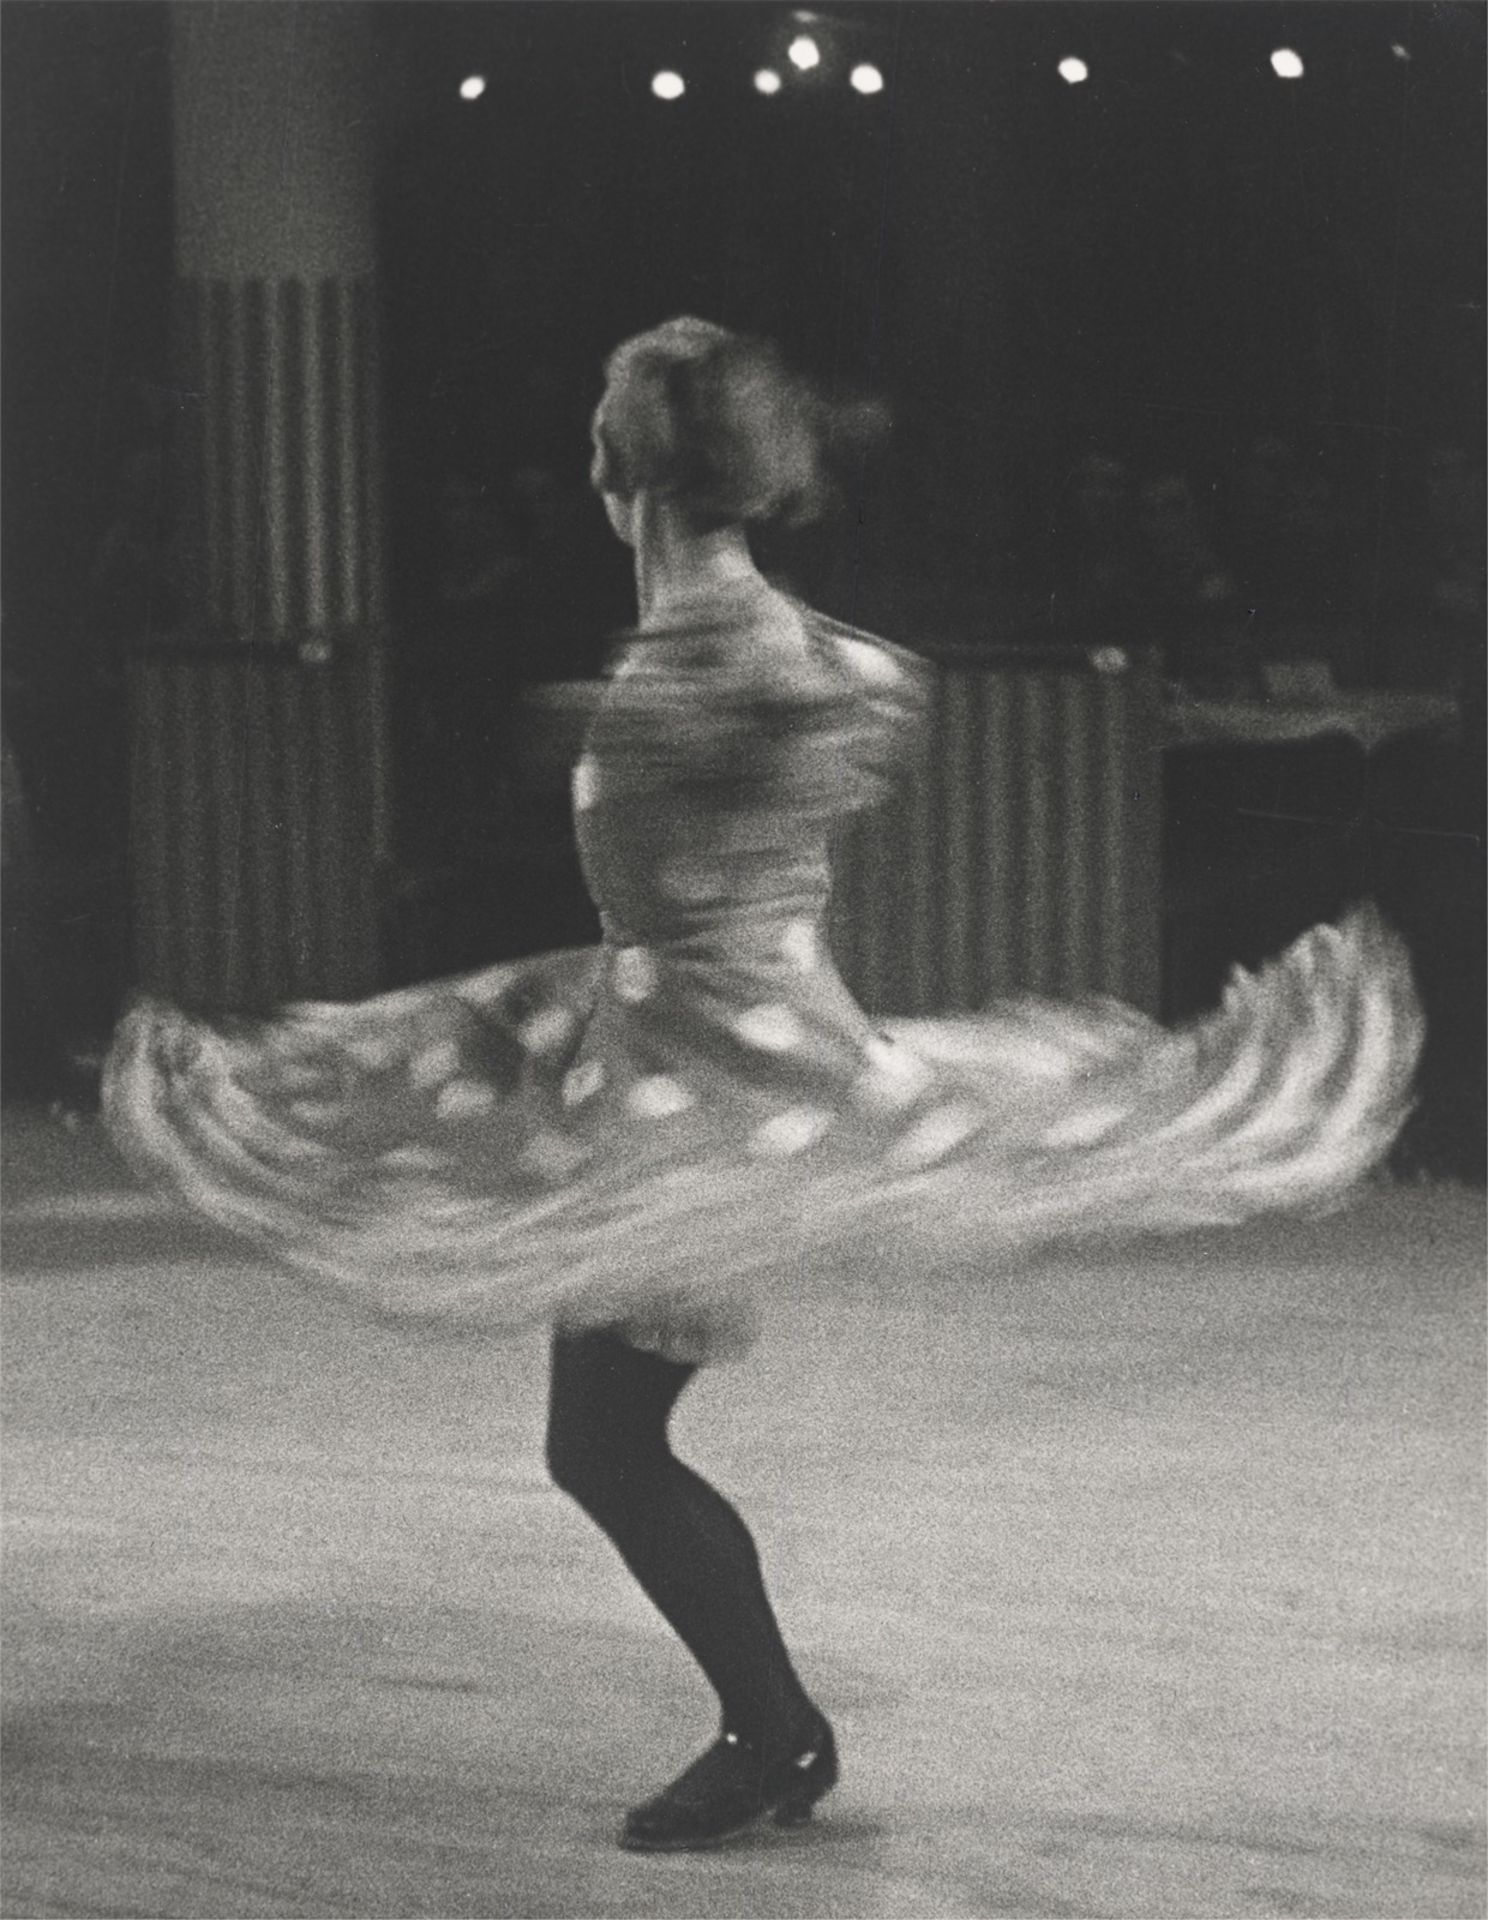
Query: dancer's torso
{"type": "Point", "coordinates": [688, 800]}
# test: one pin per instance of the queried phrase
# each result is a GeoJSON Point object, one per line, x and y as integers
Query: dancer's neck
{"type": "Point", "coordinates": [676, 565]}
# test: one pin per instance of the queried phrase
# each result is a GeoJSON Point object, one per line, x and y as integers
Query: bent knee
{"type": "Point", "coordinates": [568, 1461]}
{"type": "Point", "coordinates": [582, 1464]}
{"type": "Point", "coordinates": [600, 1475]}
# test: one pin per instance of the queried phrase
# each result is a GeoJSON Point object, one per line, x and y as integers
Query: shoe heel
{"type": "Point", "coordinates": [794, 1808]}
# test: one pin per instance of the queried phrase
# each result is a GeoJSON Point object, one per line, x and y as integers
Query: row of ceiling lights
{"type": "Point", "coordinates": [804, 55]}
{"type": "Point", "coordinates": [1286, 64]}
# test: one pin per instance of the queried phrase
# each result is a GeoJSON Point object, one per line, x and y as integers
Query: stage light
{"type": "Point", "coordinates": [1286, 64]}
{"type": "Point", "coordinates": [473, 87]}
{"type": "Point", "coordinates": [804, 53]}
{"type": "Point", "coordinates": [1074, 71]}
{"type": "Point", "coordinates": [667, 85]}
{"type": "Point", "coordinates": [866, 79]}
{"type": "Point", "coordinates": [1400, 52]}
{"type": "Point", "coordinates": [767, 80]}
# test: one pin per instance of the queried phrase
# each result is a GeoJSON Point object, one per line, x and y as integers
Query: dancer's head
{"type": "Point", "coordinates": [714, 424]}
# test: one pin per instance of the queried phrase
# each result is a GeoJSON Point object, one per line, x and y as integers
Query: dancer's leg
{"type": "Point", "coordinates": [688, 1548]}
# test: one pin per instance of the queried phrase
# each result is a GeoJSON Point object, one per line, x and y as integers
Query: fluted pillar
{"type": "Point", "coordinates": [276, 297]}
{"type": "Point", "coordinates": [261, 811]}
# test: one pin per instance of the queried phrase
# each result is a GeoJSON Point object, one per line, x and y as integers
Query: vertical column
{"type": "Point", "coordinates": [260, 806]}
{"type": "Point", "coordinates": [275, 258]}
{"type": "Point", "coordinates": [282, 456]}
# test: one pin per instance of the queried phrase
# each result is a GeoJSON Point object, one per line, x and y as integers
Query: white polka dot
{"type": "Point", "coordinates": [462, 1098]}
{"type": "Point", "coordinates": [870, 663]}
{"type": "Point", "coordinates": [545, 1032]}
{"type": "Point", "coordinates": [482, 989]}
{"type": "Point", "coordinates": [690, 879]}
{"type": "Point", "coordinates": [658, 1097]}
{"type": "Point", "coordinates": [799, 945]}
{"type": "Point", "coordinates": [936, 1135]}
{"type": "Point", "coordinates": [773, 1029]}
{"type": "Point", "coordinates": [885, 1055]}
{"type": "Point", "coordinates": [413, 1159]}
{"type": "Point", "coordinates": [635, 975]}
{"type": "Point", "coordinates": [583, 1083]}
{"type": "Point", "coordinates": [790, 1132]}
{"type": "Point", "coordinates": [895, 1076]}
{"type": "Point", "coordinates": [585, 785]}
{"type": "Point", "coordinates": [373, 1050]}
{"type": "Point", "coordinates": [434, 1064]}
{"type": "Point", "coordinates": [1084, 1129]}
{"type": "Point", "coordinates": [550, 1156]}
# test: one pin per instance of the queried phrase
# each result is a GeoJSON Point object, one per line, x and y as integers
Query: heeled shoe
{"type": "Point", "coordinates": [730, 1789]}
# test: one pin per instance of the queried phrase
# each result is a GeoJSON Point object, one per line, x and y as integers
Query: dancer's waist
{"type": "Point", "coordinates": [688, 892]}
{"type": "Point", "coordinates": [707, 932]}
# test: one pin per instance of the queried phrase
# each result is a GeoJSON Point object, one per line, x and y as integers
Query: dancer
{"type": "Point", "coordinates": [636, 1144]}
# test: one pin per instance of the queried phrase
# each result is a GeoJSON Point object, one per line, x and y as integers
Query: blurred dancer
{"type": "Point", "coordinates": [637, 1144]}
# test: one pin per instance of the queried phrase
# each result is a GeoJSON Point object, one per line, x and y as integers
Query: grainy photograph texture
{"type": "Point", "coordinates": [743, 971]}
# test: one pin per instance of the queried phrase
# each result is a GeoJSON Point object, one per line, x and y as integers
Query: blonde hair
{"type": "Point", "coordinates": [716, 422]}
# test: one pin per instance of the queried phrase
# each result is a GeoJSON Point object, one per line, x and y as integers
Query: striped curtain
{"type": "Point", "coordinates": [1021, 853]}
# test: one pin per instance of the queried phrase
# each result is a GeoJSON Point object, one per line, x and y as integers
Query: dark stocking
{"type": "Point", "coordinates": [692, 1554]}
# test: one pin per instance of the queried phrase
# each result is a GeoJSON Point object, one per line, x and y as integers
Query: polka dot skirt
{"type": "Point", "coordinates": [652, 1133]}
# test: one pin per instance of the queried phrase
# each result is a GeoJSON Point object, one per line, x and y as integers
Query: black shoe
{"type": "Point", "coordinates": [731, 1788]}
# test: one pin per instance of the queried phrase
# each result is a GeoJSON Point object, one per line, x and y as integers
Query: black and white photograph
{"type": "Point", "coordinates": [743, 991]}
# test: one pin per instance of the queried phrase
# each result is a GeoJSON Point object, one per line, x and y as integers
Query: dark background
{"type": "Point", "coordinates": [1169, 267]}
{"type": "Point", "coordinates": [1175, 259]}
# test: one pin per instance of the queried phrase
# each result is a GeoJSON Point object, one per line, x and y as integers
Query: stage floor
{"type": "Point", "coordinates": [1142, 1582]}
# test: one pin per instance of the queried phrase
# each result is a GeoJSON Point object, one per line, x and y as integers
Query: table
{"type": "Point", "coordinates": [1369, 717]}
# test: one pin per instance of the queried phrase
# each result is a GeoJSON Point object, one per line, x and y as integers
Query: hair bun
{"type": "Point", "coordinates": [717, 422]}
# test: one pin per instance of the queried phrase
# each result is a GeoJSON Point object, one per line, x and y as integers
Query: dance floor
{"type": "Point", "coordinates": [1140, 1582]}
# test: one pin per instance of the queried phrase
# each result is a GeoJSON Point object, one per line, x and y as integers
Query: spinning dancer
{"type": "Point", "coordinates": [635, 1145]}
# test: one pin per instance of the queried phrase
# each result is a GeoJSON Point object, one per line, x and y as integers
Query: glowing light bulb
{"type": "Point", "coordinates": [866, 79]}
{"type": "Point", "coordinates": [1286, 64]}
{"type": "Point", "coordinates": [1074, 71]}
{"type": "Point", "coordinates": [767, 80]}
{"type": "Point", "coordinates": [804, 53]}
{"type": "Point", "coordinates": [667, 85]}
{"type": "Point", "coordinates": [473, 87]}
